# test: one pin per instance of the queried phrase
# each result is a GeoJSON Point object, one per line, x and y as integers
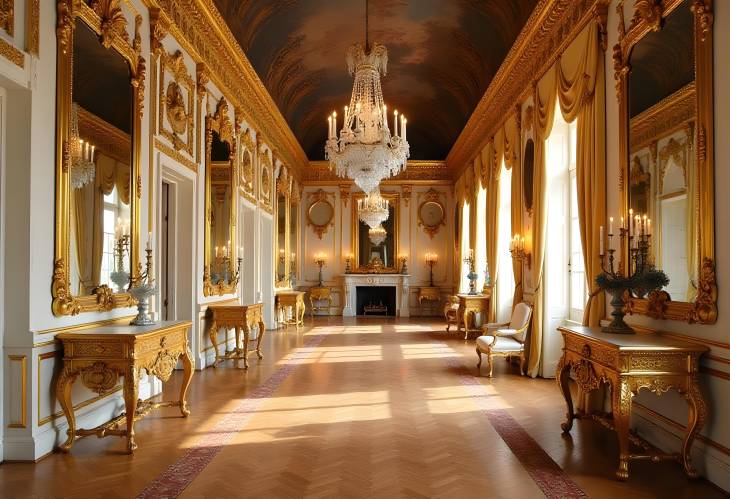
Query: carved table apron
{"type": "Point", "coordinates": [238, 317]}
{"type": "Point", "coordinates": [629, 363]}
{"type": "Point", "coordinates": [319, 293]}
{"type": "Point", "coordinates": [100, 356]}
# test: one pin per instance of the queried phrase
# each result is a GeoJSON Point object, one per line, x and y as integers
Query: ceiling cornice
{"type": "Point", "coordinates": [199, 28]}
{"type": "Point", "coordinates": [551, 28]}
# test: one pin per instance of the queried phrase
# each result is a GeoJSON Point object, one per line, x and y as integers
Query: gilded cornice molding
{"type": "Point", "coordinates": [108, 139]}
{"type": "Point", "coordinates": [667, 115]}
{"type": "Point", "coordinates": [552, 26]}
{"type": "Point", "coordinates": [416, 172]}
{"type": "Point", "coordinates": [199, 28]}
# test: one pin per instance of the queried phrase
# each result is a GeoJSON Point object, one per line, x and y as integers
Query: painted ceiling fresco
{"type": "Point", "coordinates": [442, 54]}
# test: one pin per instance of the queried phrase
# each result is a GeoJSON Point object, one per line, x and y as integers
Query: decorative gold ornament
{"type": "Point", "coordinates": [7, 16]}
{"type": "Point", "coordinates": [431, 213]}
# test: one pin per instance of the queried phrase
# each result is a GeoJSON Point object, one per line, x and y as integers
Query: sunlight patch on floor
{"type": "Point", "coordinates": [314, 355]}
{"type": "Point", "coordinates": [461, 398]}
{"type": "Point", "coordinates": [427, 351]}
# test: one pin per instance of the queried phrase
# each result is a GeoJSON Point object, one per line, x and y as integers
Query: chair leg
{"type": "Point", "coordinates": [490, 363]}
{"type": "Point", "coordinates": [522, 364]}
{"type": "Point", "coordinates": [479, 354]}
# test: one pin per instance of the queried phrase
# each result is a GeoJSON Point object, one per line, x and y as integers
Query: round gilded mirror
{"type": "Point", "coordinates": [432, 213]}
{"type": "Point", "coordinates": [321, 213]}
{"type": "Point", "coordinates": [528, 172]}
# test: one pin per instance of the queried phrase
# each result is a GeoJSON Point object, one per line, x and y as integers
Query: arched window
{"type": "Point", "coordinates": [505, 275]}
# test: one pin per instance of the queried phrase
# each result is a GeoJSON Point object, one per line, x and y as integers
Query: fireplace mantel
{"type": "Point", "coordinates": [398, 281]}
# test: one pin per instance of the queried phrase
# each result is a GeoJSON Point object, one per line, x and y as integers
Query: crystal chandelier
{"type": "Point", "coordinates": [83, 168]}
{"type": "Point", "coordinates": [373, 209]}
{"type": "Point", "coordinates": [377, 235]}
{"type": "Point", "coordinates": [365, 150]}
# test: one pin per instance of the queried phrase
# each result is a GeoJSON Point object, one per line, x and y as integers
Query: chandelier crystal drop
{"type": "Point", "coordinates": [365, 150]}
{"type": "Point", "coordinates": [83, 169]}
{"type": "Point", "coordinates": [373, 209]}
{"type": "Point", "coordinates": [377, 235]}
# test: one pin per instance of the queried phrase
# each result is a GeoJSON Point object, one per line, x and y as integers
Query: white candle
{"type": "Point", "coordinates": [334, 124]}
{"type": "Point", "coordinates": [600, 252]}
{"type": "Point", "coordinates": [648, 227]}
{"type": "Point", "coordinates": [149, 240]}
{"type": "Point", "coordinates": [240, 252]}
{"type": "Point", "coordinates": [610, 226]}
{"type": "Point", "coordinates": [405, 123]}
{"type": "Point", "coordinates": [395, 123]}
{"type": "Point", "coordinates": [329, 127]}
{"type": "Point", "coordinates": [216, 252]}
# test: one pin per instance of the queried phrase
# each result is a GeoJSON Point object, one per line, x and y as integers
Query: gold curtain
{"type": "Point", "coordinates": [80, 225]}
{"type": "Point", "coordinates": [578, 80]}
{"type": "Point", "coordinates": [491, 171]}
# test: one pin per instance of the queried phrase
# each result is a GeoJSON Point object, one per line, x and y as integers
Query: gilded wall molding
{"type": "Point", "coordinates": [552, 26]}
{"type": "Point", "coordinates": [108, 139]}
{"type": "Point", "coordinates": [12, 54]}
{"type": "Point", "coordinates": [176, 155]}
{"type": "Point", "coordinates": [23, 391]}
{"type": "Point", "coordinates": [203, 33]}
{"type": "Point", "coordinates": [417, 171]}
{"type": "Point", "coordinates": [7, 16]}
{"type": "Point", "coordinates": [32, 26]}
{"type": "Point", "coordinates": [665, 116]}
{"type": "Point", "coordinates": [176, 102]}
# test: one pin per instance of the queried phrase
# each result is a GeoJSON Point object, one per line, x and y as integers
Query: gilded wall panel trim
{"type": "Point", "coordinates": [179, 109]}
{"type": "Point", "coordinates": [176, 155]}
{"type": "Point", "coordinates": [12, 54]}
{"type": "Point", "coordinates": [203, 33]}
{"type": "Point", "coordinates": [32, 28]}
{"type": "Point", "coordinates": [7, 16]}
{"type": "Point", "coordinates": [23, 422]}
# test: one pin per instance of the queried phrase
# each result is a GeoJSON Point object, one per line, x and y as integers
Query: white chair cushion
{"type": "Point", "coordinates": [503, 344]}
{"type": "Point", "coordinates": [520, 316]}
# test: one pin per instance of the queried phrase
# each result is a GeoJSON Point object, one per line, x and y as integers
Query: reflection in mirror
{"type": "Point", "coordinates": [376, 251]}
{"type": "Point", "coordinates": [281, 207]}
{"type": "Point", "coordinates": [293, 228]}
{"type": "Point", "coordinates": [100, 173]}
{"type": "Point", "coordinates": [662, 172]}
{"type": "Point", "coordinates": [220, 250]}
{"type": "Point", "coordinates": [528, 170]}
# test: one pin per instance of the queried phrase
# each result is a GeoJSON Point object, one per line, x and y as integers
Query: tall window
{"type": "Point", "coordinates": [505, 276]}
{"type": "Point", "coordinates": [464, 282]}
{"type": "Point", "coordinates": [564, 274]}
{"type": "Point", "coordinates": [481, 249]}
{"type": "Point", "coordinates": [113, 210]}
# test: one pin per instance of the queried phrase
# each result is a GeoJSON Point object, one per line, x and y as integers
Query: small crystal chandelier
{"type": "Point", "coordinates": [366, 151]}
{"type": "Point", "coordinates": [377, 235]}
{"type": "Point", "coordinates": [83, 168]}
{"type": "Point", "coordinates": [373, 209]}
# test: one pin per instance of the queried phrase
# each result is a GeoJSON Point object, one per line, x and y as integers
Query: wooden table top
{"type": "Point", "coordinates": [124, 330]}
{"type": "Point", "coordinates": [634, 342]}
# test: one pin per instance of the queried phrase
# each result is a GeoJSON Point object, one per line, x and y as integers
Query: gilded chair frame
{"type": "Point", "coordinates": [647, 17]}
{"type": "Point", "coordinates": [107, 20]}
{"type": "Point", "coordinates": [394, 200]}
{"type": "Point", "coordinates": [220, 123]}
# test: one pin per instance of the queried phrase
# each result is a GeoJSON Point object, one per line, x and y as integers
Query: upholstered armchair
{"type": "Point", "coordinates": [506, 339]}
{"type": "Point", "coordinates": [451, 311]}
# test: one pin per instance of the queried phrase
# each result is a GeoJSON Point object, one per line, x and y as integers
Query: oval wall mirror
{"type": "Point", "coordinates": [320, 216]}
{"type": "Point", "coordinates": [528, 172]}
{"type": "Point", "coordinates": [431, 213]}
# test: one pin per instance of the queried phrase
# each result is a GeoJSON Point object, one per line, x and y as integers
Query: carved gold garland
{"type": "Point", "coordinates": [178, 108]}
{"type": "Point", "coordinates": [698, 97]}
{"type": "Point", "coordinates": [220, 123]}
{"type": "Point", "coordinates": [247, 170]}
{"type": "Point", "coordinates": [107, 20]}
{"type": "Point", "coordinates": [266, 173]}
{"type": "Point", "coordinates": [7, 16]}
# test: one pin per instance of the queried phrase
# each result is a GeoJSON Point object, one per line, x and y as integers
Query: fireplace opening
{"type": "Point", "coordinates": [375, 300]}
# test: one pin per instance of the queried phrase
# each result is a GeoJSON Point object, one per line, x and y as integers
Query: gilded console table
{"type": "Point", "coordinates": [100, 356]}
{"type": "Point", "coordinates": [469, 306]}
{"type": "Point", "coordinates": [294, 300]}
{"type": "Point", "coordinates": [240, 318]}
{"type": "Point", "coordinates": [319, 293]}
{"type": "Point", "coordinates": [629, 363]}
{"type": "Point", "coordinates": [428, 293]}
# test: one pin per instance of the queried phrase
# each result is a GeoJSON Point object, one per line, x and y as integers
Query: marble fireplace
{"type": "Point", "coordinates": [351, 283]}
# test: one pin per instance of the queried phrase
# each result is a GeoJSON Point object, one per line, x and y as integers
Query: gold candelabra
{"type": "Point", "coordinates": [320, 260]}
{"type": "Point", "coordinates": [431, 260]}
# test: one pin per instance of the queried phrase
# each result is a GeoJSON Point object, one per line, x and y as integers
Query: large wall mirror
{"type": "Point", "coordinates": [285, 212]}
{"type": "Point", "coordinates": [222, 265]}
{"type": "Point", "coordinates": [666, 105]}
{"type": "Point", "coordinates": [376, 251]}
{"type": "Point", "coordinates": [99, 95]}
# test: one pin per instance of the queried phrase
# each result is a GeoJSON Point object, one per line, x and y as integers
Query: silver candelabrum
{"type": "Point", "coordinates": [120, 276]}
{"type": "Point", "coordinates": [142, 288]}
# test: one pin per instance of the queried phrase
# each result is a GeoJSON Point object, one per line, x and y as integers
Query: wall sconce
{"type": "Point", "coordinates": [431, 260]}
{"type": "Point", "coordinates": [517, 248]}
{"type": "Point", "coordinates": [403, 267]}
{"type": "Point", "coordinates": [320, 259]}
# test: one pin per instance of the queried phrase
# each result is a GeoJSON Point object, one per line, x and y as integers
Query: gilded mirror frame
{"type": "Point", "coordinates": [648, 16]}
{"type": "Point", "coordinates": [283, 188]}
{"type": "Point", "coordinates": [320, 196]}
{"type": "Point", "coordinates": [220, 123]}
{"type": "Point", "coordinates": [394, 200]}
{"type": "Point", "coordinates": [432, 196]}
{"type": "Point", "coordinates": [107, 20]}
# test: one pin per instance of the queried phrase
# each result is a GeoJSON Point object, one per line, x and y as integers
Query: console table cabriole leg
{"type": "Point", "coordinates": [63, 394]}
{"type": "Point", "coordinates": [696, 420]}
{"type": "Point", "coordinates": [246, 336]}
{"type": "Point", "coordinates": [621, 404]}
{"type": "Point", "coordinates": [238, 340]}
{"type": "Point", "coordinates": [187, 376]}
{"type": "Point", "coordinates": [562, 375]}
{"type": "Point", "coordinates": [131, 393]}
{"type": "Point", "coordinates": [260, 336]}
{"type": "Point", "coordinates": [214, 339]}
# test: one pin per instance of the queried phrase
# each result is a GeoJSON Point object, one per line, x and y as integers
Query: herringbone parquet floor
{"type": "Point", "coordinates": [351, 409]}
